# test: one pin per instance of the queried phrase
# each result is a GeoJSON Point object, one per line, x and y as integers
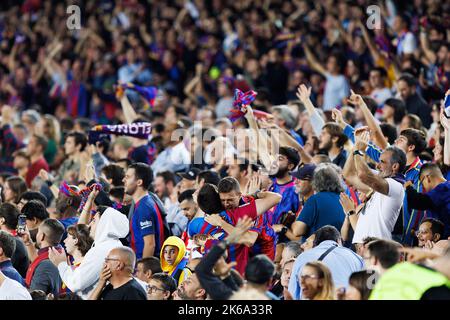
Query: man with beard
{"type": "Point", "coordinates": [284, 184]}
{"type": "Point", "coordinates": [332, 140]}
{"type": "Point", "coordinates": [191, 289]}
{"type": "Point", "coordinates": [384, 190]}
{"type": "Point", "coordinates": [146, 222]}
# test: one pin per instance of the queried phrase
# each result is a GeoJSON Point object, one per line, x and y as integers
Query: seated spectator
{"type": "Point", "coordinates": [430, 231]}
{"type": "Point", "coordinates": [160, 287]}
{"type": "Point", "coordinates": [381, 255]}
{"type": "Point", "coordinates": [146, 268]}
{"type": "Point", "coordinates": [359, 286]}
{"type": "Point", "coordinates": [190, 289]}
{"type": "Point", "coordinates": [118, 272]}
{"type": "Point", "coordinates": [316, 281]}
{"type": "Point", "coordinates": [173, 261]}
{"type": "Point", "coordinates": [342, 262]}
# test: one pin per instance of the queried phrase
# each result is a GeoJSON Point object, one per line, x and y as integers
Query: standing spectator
{"type": "Point", "coordinates": [9, 217]}
{"type": "Point", "coordinates": [52, 131]}
{"type": "Point", "coordinates": [415, 104]}
{"type": "Point", "coordinates": [384, 191]}
{"type": "Point", "coordinates": [118, 271]}
{"type": "Point", "coordinates": [8, 246]}
{"type": "Point", "coordinates": [377, 79]}
{"type": "Point", "coordinates": [36, 148]}
{"type": "Point", "coordinates": [381, 255]}
{"type": "Point", "coordinates": [332, 140]}
{"type": "Point", "coordinates": [326, 248]}
{"type": "Point", "coordinates": [35, 212]}
{"type": "Point", "coordinates": [8, 141]}
{"type": "Point", "coordinates": [322, 208]}
{"type": "Point", "coordinates": [286, 120]}
{"type": "Point", "coordinates": [78, 243]}
{"type": "Point", "coordinates": [67, 205]}
{"type": "Point", "coordinates": [146, 223]}
{"type": "Point", "coordinates": [393, 111]}
{"type": "Point", "coordinates": [42, 274]}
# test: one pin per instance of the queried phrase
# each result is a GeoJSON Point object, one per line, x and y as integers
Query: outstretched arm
{"type": "Point", "coordinates": [313, 61]}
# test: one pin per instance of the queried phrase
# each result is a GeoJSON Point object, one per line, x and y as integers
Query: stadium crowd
{"type": "Point", "coordinates": [328, 181]}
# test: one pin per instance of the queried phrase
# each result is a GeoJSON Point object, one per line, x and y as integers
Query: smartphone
{"type": "Point", "coordinates": [22, 223]}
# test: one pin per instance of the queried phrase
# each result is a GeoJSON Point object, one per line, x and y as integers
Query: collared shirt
{"type": "Point", "coordinates": [342, 262]}
{"type": "Point", "coordinates": [8, 270]}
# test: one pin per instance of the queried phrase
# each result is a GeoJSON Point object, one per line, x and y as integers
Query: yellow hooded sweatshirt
{"type": "Point", "coordinates": [178, 269]}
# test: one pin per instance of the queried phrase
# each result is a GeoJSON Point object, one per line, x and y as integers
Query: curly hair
{"type": "Point", "coordinates": [327, 177]}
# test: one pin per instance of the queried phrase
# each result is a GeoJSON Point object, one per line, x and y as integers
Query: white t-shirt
{"type": "Point", "coordinates": [13, 290]}
{"type": "Point", "coordinates": [379, 216]}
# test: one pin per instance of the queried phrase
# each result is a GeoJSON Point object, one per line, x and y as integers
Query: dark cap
{"type": "Point", "coordinates": [259, 270]}
{"type": "Point", "coordinates": [191, 174]}
{"type": "Point", "coordinates": [304, 173]}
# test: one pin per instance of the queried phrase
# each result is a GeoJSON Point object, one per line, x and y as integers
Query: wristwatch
{"type": "Point", "coordinates": [350, 213]}
{"type": "Point", "coordinates": [358, 153]}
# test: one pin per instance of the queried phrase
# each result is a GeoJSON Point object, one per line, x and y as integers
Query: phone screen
{"type": "Point", "coordinates": [22, 223]}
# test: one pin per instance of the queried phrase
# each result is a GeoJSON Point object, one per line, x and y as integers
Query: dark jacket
{"type": "Point", "coordinates": [417, 105]}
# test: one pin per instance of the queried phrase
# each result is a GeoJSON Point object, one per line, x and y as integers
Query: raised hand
{"type": "Point", "coordinates": [355, 99]}
{"type": "Point", "coordinates": [362, 141]}
{"type": "Point", "coordinates": [303, 93]}
{"type": "Point", "coordinates": [346, 203]}
{"type": "Point", "coordinates": [336, 115]}
{"type": "Point", "coordinates": [56, 257]}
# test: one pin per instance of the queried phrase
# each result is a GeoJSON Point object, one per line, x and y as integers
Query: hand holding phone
{"type": "Point", "coordinates": [22, 224]}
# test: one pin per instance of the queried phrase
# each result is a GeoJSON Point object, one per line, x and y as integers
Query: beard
{"type": "Point", "coordinates": [131, 189]}
{"type": "Point", "coordinates": [326, 148]}
{"type": "Point", "coordinates": [281, 173]}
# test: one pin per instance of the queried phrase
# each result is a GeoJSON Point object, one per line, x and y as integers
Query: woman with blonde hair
{"type": "Point", "coordinates": [52, 131]}
{"type": "Point", "coordinates": [316, 282]}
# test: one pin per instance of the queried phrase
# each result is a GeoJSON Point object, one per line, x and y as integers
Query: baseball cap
{"type": "Point", "coordinates": [304, 173]}
{"type": "Point", "coordinates": [191, 174]}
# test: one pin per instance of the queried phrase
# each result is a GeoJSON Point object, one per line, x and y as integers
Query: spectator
{"type": "Point", "coordinates": [322, 208]}
{"type": "Point", "coordinates": [393, 111]}
{"type": "Point", "coordinates": [118, 270]}
{"type": "Point", "coordinates": [173, 261]}
{"type": "Point", "coordinates": [377, 79]}
{"type": "Point", "coordinates": [146, 231]}
{"type": "Point", "coordinates": [332, 140]}
{"type": "Point", "coordinates": [381, 255]}
{"type": "Point", "coordinates": [430, 231]}
{"type": "Point", "coordinates": [67, 205]}
{"type": "Point", "coordinates": [35, 212]}
{"type": "Point", "coordinates": [106, 228]}
{"type": "Point", "coordinates": [78, 243]}
{"type": "Point", "coordinates": [163, 185]}
{"type": "Point", "coordinates": [286, 276]}
{"type": "Point", "coordinates": [359, 286]}
{"type": "Point", "coordinates": [327, 248]}
{"type": "Point", "coordinates": [21, 163]}
{"type": "Point", "coordinates": [286, 120]}
{"type": "Point", "coordinates": [415, 104]}
{"type": "Point", "coordinates": [436, 199]}
{"type": "Point", "coordinates": [9, 217]}
{"type": "Point", "coordinates": [160, 287]}
{"type": "Point", "coordinates": [114, 174]}
{"type": "Point", "coordinates": [36, 148]}
{"type": "Point", "coordinates": [188, 179]}
{"type": "Point", "coordinates": [147, 267]}
{"type": "Point", "coordinates": [31, 195]}
{"type": "Point", "coordinates": [317, 282]}
{"type": "Point", "coordinates": [191, 289]}
{"type": "Point", "coordinates": [379, 214]}
{"type": "Point", "coordinates": [42, 274]}
{"type": "Point", "coordinates": [14, 187]}
{"type": "Point", "coordinates": [12, 290]}
{"type": "Point", "coordinates": [8, 246]}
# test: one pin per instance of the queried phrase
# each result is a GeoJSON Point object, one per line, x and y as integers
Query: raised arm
{"type": "Point", "coordinates": [128, 110]}
{"type": "Point", "coordinates": [313, 61]}
{"type": "Point", "coordinates": [317, 122]}
{"type": "Point", "coordinates": [378, 136]}
{"type": "Point", "coordinates": [363, 171]}
{"type": "Point", "coordinates": [446, 124]}
{"type": "Point", "coordinates": [266, 200]}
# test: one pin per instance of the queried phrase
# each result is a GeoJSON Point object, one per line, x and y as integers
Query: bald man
{"type": "Point", "coordinates": [437, 198]}
{"type": "Point", "coordinates": [116, 279]}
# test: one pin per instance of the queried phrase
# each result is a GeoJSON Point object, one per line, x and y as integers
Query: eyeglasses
{"type": "Point", "coordinates": [308, 276]}
{"type": "Point", "coordinates": [153, 288]}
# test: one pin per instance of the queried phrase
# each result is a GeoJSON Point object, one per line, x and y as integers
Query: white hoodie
{"type": "Point", "coordinates": [112, 226]}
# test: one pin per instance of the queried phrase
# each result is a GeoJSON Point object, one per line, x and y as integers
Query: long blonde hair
{"type": "Point", "coordinates": [54, 130]}
{"type": "Point", "coordinates": [327, 292]}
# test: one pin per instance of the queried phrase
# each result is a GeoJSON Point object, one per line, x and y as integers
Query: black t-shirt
{"type": "Point", "coordinates": [437, 293]}
{"type": "Point", "coordinates": [131, 290]}
{"type": "Point", "coordinates": [19, 258]}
